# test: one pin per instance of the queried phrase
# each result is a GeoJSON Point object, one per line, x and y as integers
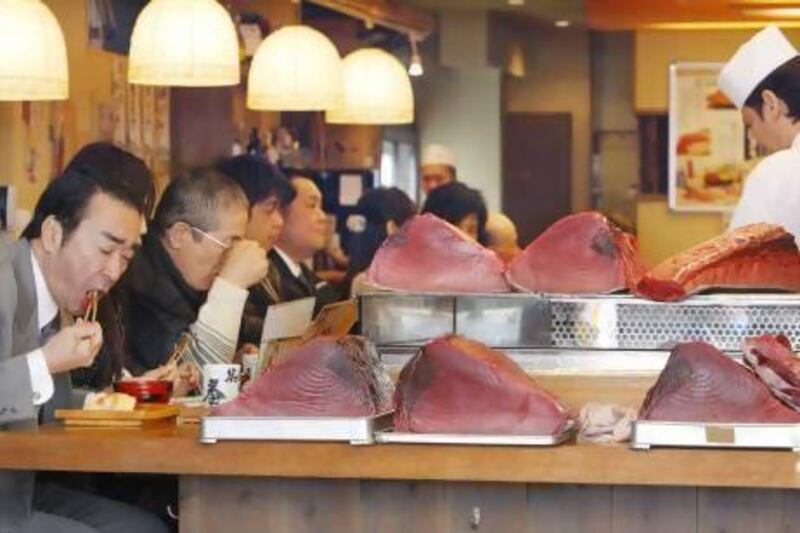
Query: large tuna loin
{"type": "Point", "coordinates": [429, 255]}
{"type": "Point", "coordinates": [757, 256]}
{"type": "Point", "coordinates": [580, 254]}
{"type": "Point", "coordinates": [325, 377]}
{"type": "Point", "coordinates": [454, 385]}
{"type": "Point", "coordinates": [772, 359]}
{"type": "Point", "coordinates": [701, 384]}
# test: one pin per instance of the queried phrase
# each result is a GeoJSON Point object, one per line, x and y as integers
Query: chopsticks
{"type": "Point", "coordinates": [90, 315]}
{"type": "Point", "coordinates": [270, 290]}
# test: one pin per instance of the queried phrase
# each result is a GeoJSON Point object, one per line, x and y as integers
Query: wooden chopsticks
{"type": "Point", "coordinates": [90, 315]}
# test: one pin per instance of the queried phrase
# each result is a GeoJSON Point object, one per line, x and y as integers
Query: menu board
{"type": "Point", "coordinates": [710, 154]}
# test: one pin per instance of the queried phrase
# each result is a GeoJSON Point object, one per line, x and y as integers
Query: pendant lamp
{"type": "Point", "coordinates": [296, 68]}
{"type": "Point", "coordinates": [33, 55]}
{"type": "Point", "coordinates": [377, 90]}
{"type": "Point", "coordinates": [184, 43]}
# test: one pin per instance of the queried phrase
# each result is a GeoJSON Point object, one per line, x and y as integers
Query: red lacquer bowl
{"type": "Point", "coordinates": [146, 390]}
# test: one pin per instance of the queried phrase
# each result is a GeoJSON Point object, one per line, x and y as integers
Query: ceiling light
{"type": "Point", "coordinates": [33, 56]}
{"type": "Point", "coordinates": [377, 90]}
{"type": "Point", "coordinates": [415, 63]}
{"type": "Point", "coordinates": [563, 23]}
{"type": "Point", "coordinates": [296, 68]}
{"type": "Point", "coordinates": [185, 43]}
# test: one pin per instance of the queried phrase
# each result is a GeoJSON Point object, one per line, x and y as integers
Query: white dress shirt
{"type": "Point", "coordinates": [294, 268]}
{"type": "Point", "coordinates": [772, 192]}
{"type": "Point", "coordinates": [46, 311]}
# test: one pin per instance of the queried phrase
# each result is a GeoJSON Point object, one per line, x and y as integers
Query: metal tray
{"type": "Point", "coordinates": [647, 434]}
{"type": "Point", "coordinates": [392, 437]}
{"type": "Point", "coordinates": [355, 430]}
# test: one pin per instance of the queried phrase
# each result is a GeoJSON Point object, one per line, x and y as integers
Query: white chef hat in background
{"type": "Point", "coordinates": [753, 62]}
{"type": "Point", "coordinates": [438, 154]}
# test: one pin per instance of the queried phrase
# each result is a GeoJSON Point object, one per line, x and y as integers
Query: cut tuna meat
{"type": "Point", "coordinates": [757, 256]}
{"type": "Point", "coordinates": [701, 384]}
{"type": "Point", "coordinates": [772, 359]}
{"type": "Point", "coordinates": [454, 385]}
{"type": "Point", "coordinates": [580, 254]}
{"type": "Point", "coordinates": [429, 255]}
{"type": "Point", "coordinates": [325, 377]}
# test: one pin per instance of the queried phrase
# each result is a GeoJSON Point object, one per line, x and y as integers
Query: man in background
{"type": "Point", "coordinates": [302, 236]}
{"type": "Point", "coordinates": [763, 80]}
{"type": "Point", "coordinates": [438, 167]}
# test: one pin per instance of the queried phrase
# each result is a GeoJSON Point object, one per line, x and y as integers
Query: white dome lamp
{"type": "Point", "coordinates": [296, 68]}
{"type": "Point", "coordinates": [184, 43]}
{"type": "Point", "coordinates": [377, 90]}
{"type": "Point", "coordinates": [33, 55]}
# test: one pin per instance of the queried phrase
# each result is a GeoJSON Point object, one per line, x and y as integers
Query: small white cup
{"type": "Point", "coordinates": [221, 383]}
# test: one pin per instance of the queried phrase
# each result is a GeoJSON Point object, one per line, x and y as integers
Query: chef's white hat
{"type": "Point", "coordinates": [753, 62]}
{"type": "Point", "coordinates": [438, 154]}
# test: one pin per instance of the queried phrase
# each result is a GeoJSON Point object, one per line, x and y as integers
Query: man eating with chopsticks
{"type": "Point", "coordinates": [84, 232]}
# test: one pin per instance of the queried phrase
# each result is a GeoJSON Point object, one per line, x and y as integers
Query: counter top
{"type": "Point", "coordinates": [176, 450]}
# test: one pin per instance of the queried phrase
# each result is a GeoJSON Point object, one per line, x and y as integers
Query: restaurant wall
{"type": "Point", "coordinates": [459, 106]}
{"type": "Point", "coordinates": [656, 49]}
{"type": "Point", "coordinates": [35, 137]}
{"type": "Point", "coordinates": [557, 79]}
{"type": "Point", "coordinates": [30, 134]}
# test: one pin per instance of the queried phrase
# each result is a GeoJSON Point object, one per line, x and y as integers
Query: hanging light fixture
{"type": "Point", "coordinates": [377, 90]}
{"type": "Point", "coordinates": [296, 68]}
{"type": "Point", "coordinates": [415, 62]}
{"type": "Point", "coordinates": [184, 43]}
{"type": "Point", "coordinates": [33, 55]}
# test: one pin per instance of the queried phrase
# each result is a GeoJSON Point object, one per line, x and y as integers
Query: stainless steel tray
{"type": "Point", "coordinates": [355, 430]}
{"type": "Point", "coordinates": [647, 434]}
{"type": "Point", "coordinates": [604, 322]}
{"type": "Point", "coordinates": [392, 437]}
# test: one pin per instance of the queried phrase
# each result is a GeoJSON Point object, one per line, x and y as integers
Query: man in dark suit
{"type": "Point", "coordinates": [268, 193]}
{"type": "Point", "coordinates": [84, 231]}
{"type": "Point", "coordinates": [302, 236]}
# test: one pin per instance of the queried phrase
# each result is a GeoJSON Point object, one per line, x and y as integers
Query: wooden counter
{"type": "Point", "coordinates": [310, 487]}
{"type": "Point", "coordinates": [176, 450]}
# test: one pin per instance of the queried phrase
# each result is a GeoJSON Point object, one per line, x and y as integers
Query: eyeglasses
{"type": "Point", "coordinates": [210, 237]}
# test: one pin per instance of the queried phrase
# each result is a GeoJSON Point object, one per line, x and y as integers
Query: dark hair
{"type": "Point", "coordinates": [196, 199]}
{"type": "Point", "coordinates": [67, 198]}
{"type": "Point", "coordinates": [258, 179]}
{"type": "Point", "coordinates": [118, 165]}
{"type": "Point", "coordinates": [455, 201]}
{"type": "Point", "coordinates": [784, 81]}
{"type": "Point", "coordinates": [378, 207]}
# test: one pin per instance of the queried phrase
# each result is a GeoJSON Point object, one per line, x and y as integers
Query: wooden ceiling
{"type": "Point", "coordinates": [678, 14]}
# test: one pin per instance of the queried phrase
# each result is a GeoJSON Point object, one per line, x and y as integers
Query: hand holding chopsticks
{"type": "Point", "coordinates": [90, 315]}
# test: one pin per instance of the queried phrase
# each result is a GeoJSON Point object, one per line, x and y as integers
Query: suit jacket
{"type": "Point", "coordinates": [19, 334]}
{"type": "Point", "coordinates": [308, 284]}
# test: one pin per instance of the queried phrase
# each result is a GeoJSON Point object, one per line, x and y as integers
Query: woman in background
{"type": "Point", "coordinates": [461, 206]}
{"type": "Point", "coordinates": [382, 212]}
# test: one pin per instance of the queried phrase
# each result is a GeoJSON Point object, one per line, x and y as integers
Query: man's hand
{"type": "Point", "coordinates": [245, 264]}
{"type": "Point", "coordinates": [73, 347]}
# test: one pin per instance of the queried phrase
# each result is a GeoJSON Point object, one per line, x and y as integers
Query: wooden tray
{"type": "Point", "coordinates": [143, 414]}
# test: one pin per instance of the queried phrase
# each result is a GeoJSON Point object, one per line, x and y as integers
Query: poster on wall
{"type": "Point", "coordinates": [710, 153]}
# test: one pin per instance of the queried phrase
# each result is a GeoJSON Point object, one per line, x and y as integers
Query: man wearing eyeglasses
{"type": "Point", "coordinates": [192, 276]}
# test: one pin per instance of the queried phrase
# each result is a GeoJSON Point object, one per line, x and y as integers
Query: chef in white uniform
{"type": "Point", "coordinates": [763, 80]}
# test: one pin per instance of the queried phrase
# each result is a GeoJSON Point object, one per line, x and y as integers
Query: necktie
{"type": "Point", "coordinates": [50, 329]}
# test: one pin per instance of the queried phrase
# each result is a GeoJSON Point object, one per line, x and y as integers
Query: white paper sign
{"type": "Point", "coordinates": [349, 189]}
{"type": "Point", "coordinates": [289, 319]}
